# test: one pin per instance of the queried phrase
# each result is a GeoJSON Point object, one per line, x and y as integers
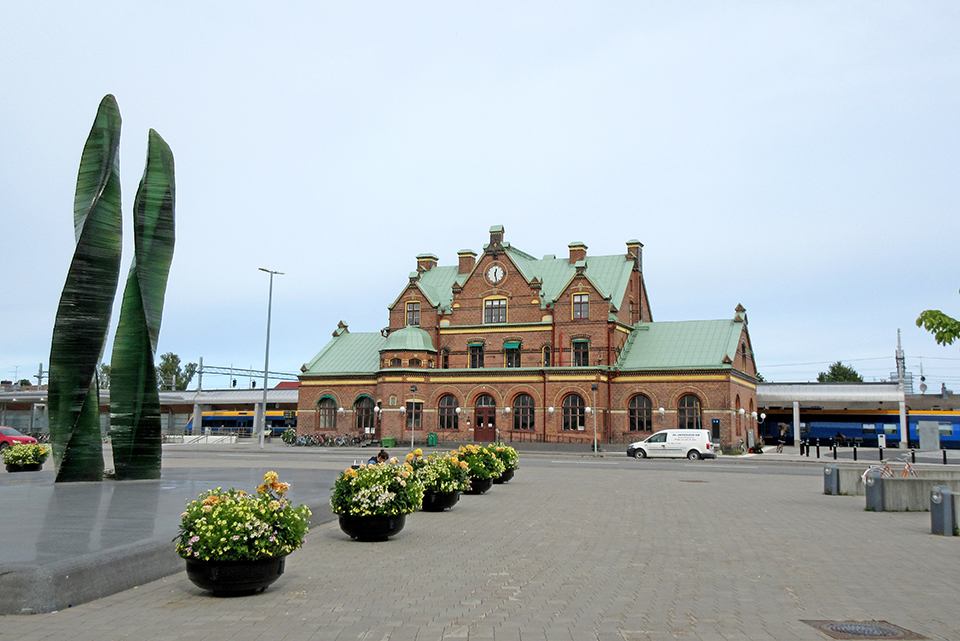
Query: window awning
{"type": "Point", "coordinates": [511, 345]}
{"type": "Point", "coordinates": [472, 343]}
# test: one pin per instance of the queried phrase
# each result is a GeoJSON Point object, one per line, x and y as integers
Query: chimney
{"type": "Point", "coordinates": [496, 236]}
{"type": "Point", "coordinates": [467, 260]}
{"type": "Point", "coordinates": [635, 251]}
{"type": "Point", "coordinates": [425, 262]}
{"type": "Point", "coordinates": [578, 252]}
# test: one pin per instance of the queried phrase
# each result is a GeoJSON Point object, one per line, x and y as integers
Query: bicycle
{"type": "Point", "coordinates": [780, 446]}
{"type": "Point", "coordinates": [887, 472]}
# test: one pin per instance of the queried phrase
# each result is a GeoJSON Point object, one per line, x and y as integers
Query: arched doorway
{"type": "Point", "coordinates": [485, 416]}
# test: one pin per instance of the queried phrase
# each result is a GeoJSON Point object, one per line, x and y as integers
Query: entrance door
{"type": "Point", "coordinates": [486, 419]}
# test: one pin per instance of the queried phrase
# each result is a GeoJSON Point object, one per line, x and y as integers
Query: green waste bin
{"type": "Point", "coordinates": [388, 442]}
{"type": "Point", "coordinates": [432, 439]}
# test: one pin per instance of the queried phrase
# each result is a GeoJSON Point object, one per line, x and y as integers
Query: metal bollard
{"type": "Point", "coordinates": [941, 510]}
{"type": "Point", "coordinates": [913, 456]}
{"type": "Point", "coordinates": [834, 452]}
{"type": "Point", "coordinates": [854, 452]}
{"type": "Point", "coordinates": [874, 491]}
{"type": "Point", "coordinates": [831, 480]}
{"type": "Point", "coordinates": [880, 451]}
{"type": "Point", "coordinates": [818, 450]}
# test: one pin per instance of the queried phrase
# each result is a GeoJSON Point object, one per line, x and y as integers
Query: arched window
{"type": "Point", "coordinates": [574, 414]}
{"type": "Point", "coordinates": [523, 412]}
{"type": "Point", "coordinates": [641, 414]}
{"type": "Point", "coordinates": [546, 356]}
{"type": "Point", "coordinates": [445, 358]}
{"type": "Point", "coordinates": [395, 362]}
{"type": "Point", "coordinates": [415, 362]}
{"type": "Point", "coordinates": [688, 413]}
{"type": "Point", "coordinates": [326, 414]}
{"type": "Point", "coordinates": [363, 408]}
{"type": "Point", "coordinates": [448, 412]}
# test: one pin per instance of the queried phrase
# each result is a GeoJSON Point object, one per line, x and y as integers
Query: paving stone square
{"type": "Point", "coordinates": [577, 548]}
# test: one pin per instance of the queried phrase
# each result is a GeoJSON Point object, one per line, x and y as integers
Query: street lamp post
{"type": "Point", "coordinates": [266, 357]}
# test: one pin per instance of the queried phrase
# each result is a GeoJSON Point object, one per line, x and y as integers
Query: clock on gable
{"type": "Point", "coordinates": [495, 273]}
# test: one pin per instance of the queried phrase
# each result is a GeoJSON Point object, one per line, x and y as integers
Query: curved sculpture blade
{"type": "Point", "coordinates": [83, 316]}
{"type": "Point", "coordinates": [134, 396]}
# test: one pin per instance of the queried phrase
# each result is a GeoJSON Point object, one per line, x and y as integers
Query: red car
{"type": "Point", "coordinates": [10, 436]}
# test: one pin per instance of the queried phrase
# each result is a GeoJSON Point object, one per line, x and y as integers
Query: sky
{"type": "Point", "coordinates": [798, 158]}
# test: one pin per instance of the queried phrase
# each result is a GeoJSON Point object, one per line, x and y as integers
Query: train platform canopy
{"type": "Point", "coordinates": [785, 394]}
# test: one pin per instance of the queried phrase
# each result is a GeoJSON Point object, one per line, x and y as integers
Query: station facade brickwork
{"type": "Point", "coordinates": [504, 345]}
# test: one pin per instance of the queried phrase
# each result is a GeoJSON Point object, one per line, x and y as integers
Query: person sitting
{"type": "Point", "coordinates": [381, 457]}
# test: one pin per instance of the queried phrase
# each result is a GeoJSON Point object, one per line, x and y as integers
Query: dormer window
{"type": "Point", "coordinates": [581, 306]}
{"type": "Point", "coordinates": [413, 313]}
{"type": "Point", "coordinates": [415, 362]}
{"type": "Point", "coordinates": [395, 362]}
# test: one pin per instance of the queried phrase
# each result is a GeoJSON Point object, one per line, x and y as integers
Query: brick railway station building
{"type": "Point", "coordinates": [505, 345]}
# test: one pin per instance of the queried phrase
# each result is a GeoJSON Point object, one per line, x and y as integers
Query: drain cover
{"type": "Point", "coordinates": [863, 630]}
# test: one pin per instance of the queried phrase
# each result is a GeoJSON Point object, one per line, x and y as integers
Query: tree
{"type": "Point", "coordinates": [103, 374]}
{"type": "Point", "coordinates": [945, 330]}
{"type": "Point", "coordinates": [839, 373]}
{"type": "Point", "coordinates": [171, 376]}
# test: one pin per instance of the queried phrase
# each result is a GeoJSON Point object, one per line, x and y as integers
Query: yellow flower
{"type": "Point", "coordinates": [418, 452]}
{"type": "Point", "coordinates": [270, 478]}
{"type": "Point", "coordinates": [409, 457]}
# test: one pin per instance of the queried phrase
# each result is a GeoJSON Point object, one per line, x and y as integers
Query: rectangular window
{"type": "Point", "coordinates": [476, 356]}
{"type": "Point", "coordinates": [511, 354]}
{"type": "Point", "coordinates": [413, 313]}
{"type": "Point", "coordinates": [495, 311]}
{"type": "Point", "coordinates": [581, 306]}
{"type": "Point", "coordinates": [581, 353]}
{"type": "Point", "coordinates": [414, 414]}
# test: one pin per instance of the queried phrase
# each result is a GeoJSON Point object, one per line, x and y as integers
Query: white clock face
{"type": "Point", "coordinates": [495, 274]}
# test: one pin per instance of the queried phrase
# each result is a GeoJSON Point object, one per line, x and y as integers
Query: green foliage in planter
{"type": "Point", "coordinates": [387, 489]}
{"type": "Point", "coordinates": [233, 525]}
{"type": "Point", "coordinates": [26, 454]}
{"type": "Point", "coordinates": [507, 455]}
{"type": "Point", "coordinates": [482, 462]}
{"type": "Point", "coordinates": [289, 436]}
{"type": "Point", "coordinates": [134, 396]}
{"type": "Point", "coordinates": [83, 316]}
{"type": "Point", "coordinates": [440, 472]}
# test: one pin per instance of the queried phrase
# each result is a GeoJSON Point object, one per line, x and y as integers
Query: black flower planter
{"type": "Point", "coordinates": [27, 467]}
{"type": "Point", "coordinates": [233, 578]}
{"type": "Point", "coordinates": [372, 528]}
{"type": "Point", "coordinates": [439, 501]}
{"type": "Point", "coordinates": [479, 486]}
{"type": "Point", "coordinates": [503, 478]}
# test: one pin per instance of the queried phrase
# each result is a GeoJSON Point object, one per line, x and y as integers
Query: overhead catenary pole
{"type": "Point", "coordinates": [266, 357]}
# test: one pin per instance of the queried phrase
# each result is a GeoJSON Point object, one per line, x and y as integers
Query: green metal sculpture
{"type": "Point", "coordinates": [134, 399]}
{"type": "Point", "coordinates": [83, 317]}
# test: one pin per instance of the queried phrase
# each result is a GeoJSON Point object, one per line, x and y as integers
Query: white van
{"type": "Point", "coordinates": [691, 444]}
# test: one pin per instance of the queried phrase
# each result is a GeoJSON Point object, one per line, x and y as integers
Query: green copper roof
{"type": "Point", "coordinates": [609, 274]}
{"type": "Point", "coordinates": [681, 345]}
{"type": "Point", "coordinates": [348, 354]}
{"type": "Point", "coordinates": [409, 338]}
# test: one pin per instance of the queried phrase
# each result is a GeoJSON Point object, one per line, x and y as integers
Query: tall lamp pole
{"type": "Point", "coordinates": [266, 358]}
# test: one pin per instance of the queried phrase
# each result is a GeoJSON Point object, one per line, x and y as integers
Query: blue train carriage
{"type": "Point", "coordinates": [948, 424]}
{"type": "Point", "coordinates": [862, 428]}
{"type": "Point", "coordinates": [222, 422]}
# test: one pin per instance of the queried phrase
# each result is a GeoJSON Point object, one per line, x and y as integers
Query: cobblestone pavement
{"type": "Point", "coordinates": [577, 550]}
